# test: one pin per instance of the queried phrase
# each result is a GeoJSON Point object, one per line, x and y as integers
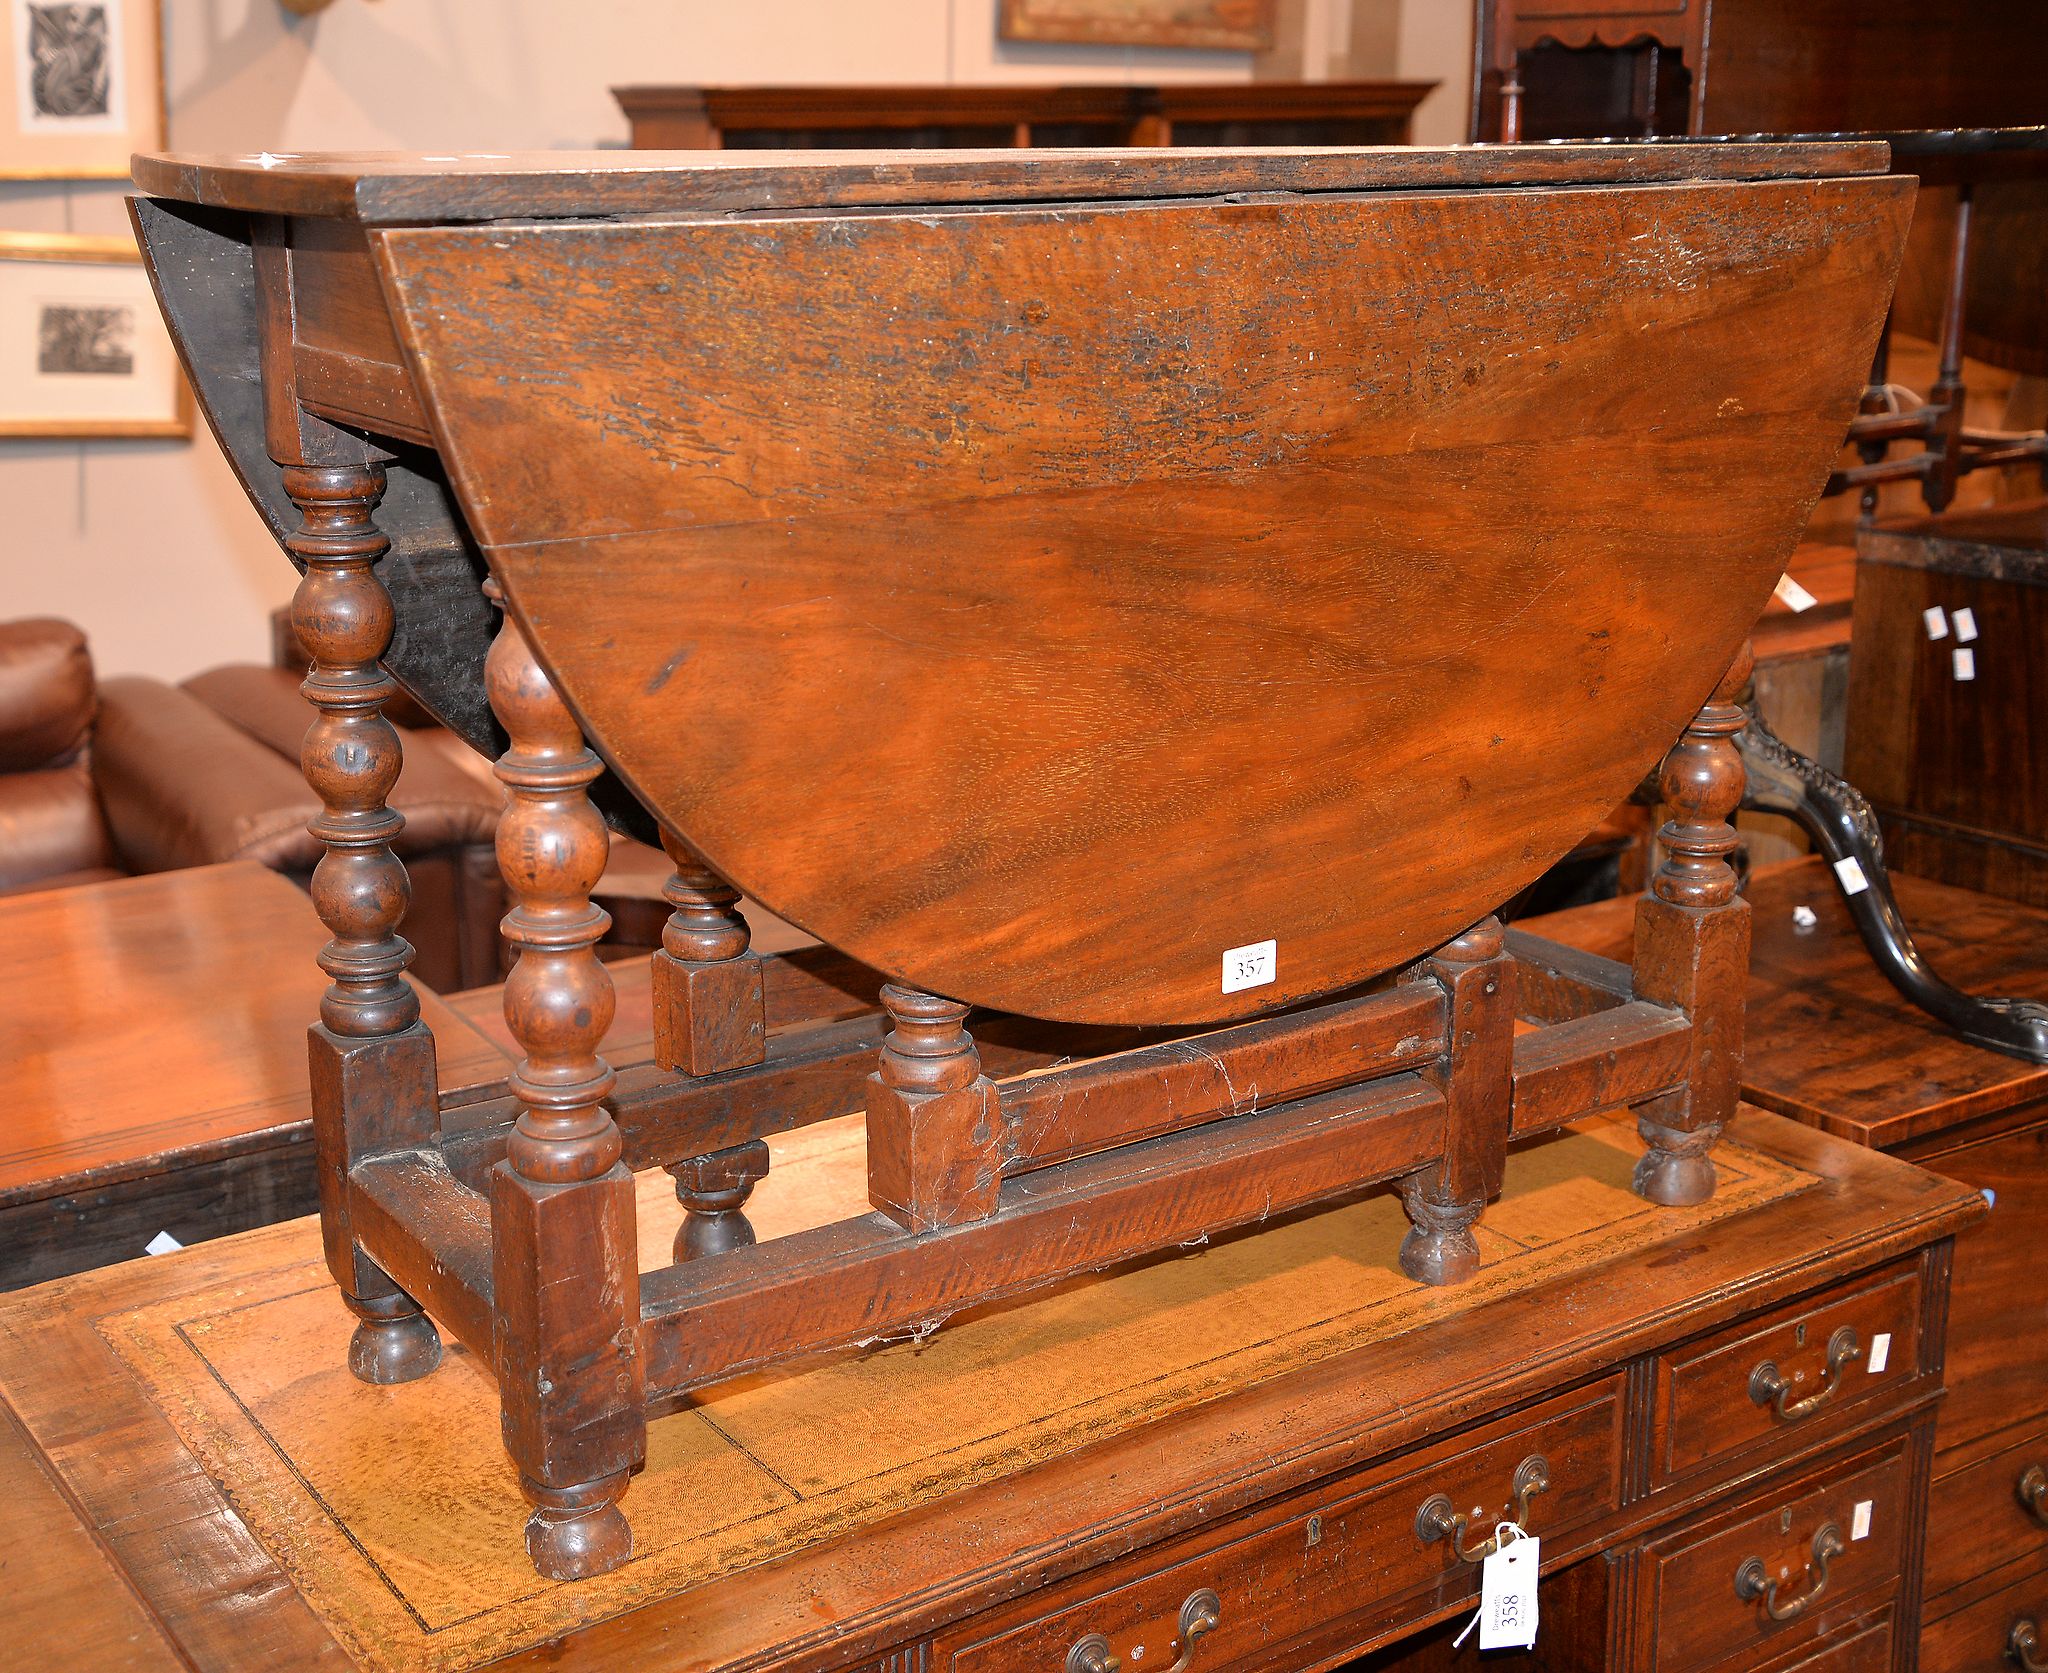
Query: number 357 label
{"type": "Point", "coordinates": [1250, 967]}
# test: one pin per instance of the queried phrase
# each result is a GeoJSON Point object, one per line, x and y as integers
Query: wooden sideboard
{"type": "Point", "coordinates": [677, 118]}
{"type": "Point", "coordinates": [1227, 1461]}
{"type": "Point", "coordinates": [1632, 68]}
{"type": "Point", "coordinates": [1830, 1043]}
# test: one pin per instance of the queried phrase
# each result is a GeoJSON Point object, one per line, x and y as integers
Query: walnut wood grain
{"type": "Point", "coordinates": [390, 189]}
{"type": "Point", "coordinates": [803, 550]}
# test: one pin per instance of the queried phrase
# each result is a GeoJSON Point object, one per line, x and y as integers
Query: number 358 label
{"type": "Point", "coordinates": [1250, 967]}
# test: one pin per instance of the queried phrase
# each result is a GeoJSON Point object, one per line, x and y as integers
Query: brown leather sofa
{"type": "Point", "coordinates": [105, 779]}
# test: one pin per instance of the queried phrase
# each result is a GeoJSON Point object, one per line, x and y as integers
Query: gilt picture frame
{"type": "Point", "coordinates": [83, 88]}
{"type": "Point", "coordinates": [1230, 25]}
{"type": "Point", "coordinates": [83, 349]}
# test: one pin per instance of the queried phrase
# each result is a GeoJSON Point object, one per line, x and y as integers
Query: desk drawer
{"type": "Point", "coordinates": [1979, 1639]}
{"type": "Point", "coordinates": [1825, 1355]}
{"type": "Point", "coordinates": [1978, 1520]}
{"type": "Point", "coordinates": [1706, 1595]}
{"type": "Point", "coordinates": [1349, 1553]}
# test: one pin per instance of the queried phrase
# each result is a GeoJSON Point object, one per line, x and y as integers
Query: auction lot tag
{"type": "Point", "coordinates": [1507, 1592]}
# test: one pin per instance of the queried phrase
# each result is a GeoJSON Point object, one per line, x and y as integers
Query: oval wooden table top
{"type": "Point", "coordinates": [1046, 602]}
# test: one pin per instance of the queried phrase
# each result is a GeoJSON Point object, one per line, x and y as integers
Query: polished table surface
{"type": "Point", "coordinates": [153, 1021]}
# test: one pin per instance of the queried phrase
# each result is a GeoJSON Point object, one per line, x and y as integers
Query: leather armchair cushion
{"type": "Point", "coordinates": [444, 806]}
{"type": "Point", "coordinates": [182, 787]}
{"type": "Point", "coordinates": [46, 694]}
{"type": "Point", "coordinates": [50, 827]}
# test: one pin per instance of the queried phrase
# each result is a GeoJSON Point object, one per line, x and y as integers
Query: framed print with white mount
{"type": "Point", "coordinates": [84, 87]}
{"type": "Point", "coordinates": [83, 350]}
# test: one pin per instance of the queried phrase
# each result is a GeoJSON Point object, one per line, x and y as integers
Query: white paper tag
{"type": "Point", "coordinates": [1507, 1595]}
{"type": "Point", "coordinates": [1792, 595]}
{"type": "Point", "coordinates": [1966, 624]}
{"type": "Point", "coordinates": [1851, 874]}
{"type": "Point", "coordinates": [1965, 662]}
{"type": "Point", "coordinates": [1880, 1351]}
{"type": "Point", "coordinates": [162, 1244]}
{"type": "Point", "coordinates": [1936, 619]}
{"type": "Point", "coordinates": [1804, 917]}
{"type": "Point", "coordinates": [1250, 967]}
{"type": "Point", "coordinates": [1859, 1520]}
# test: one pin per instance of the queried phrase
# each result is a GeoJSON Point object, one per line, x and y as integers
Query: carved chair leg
{"type": "Point", "coordinates": [710, 1007]}
{"type": "Point", "coordinates": [564, 1263]}
{"type": "Point", "coordinates": [934, 1122]}
{"type": "Point", "coordinates": [372, 1058]}
{"type": "Point", "coordinates": [1692, 947]}
{"type": "Point", "coordinates": [1445, 1199]}
{"type": "Point", "coordinates": [714, 1190]}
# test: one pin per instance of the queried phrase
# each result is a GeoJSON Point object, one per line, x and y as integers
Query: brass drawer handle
{"type": "Point", "coordinates": [1752, 1583]}
{"type": "Point", "coordinates": [1439, 1519]}
{"type": "Point", "coordinates": [2022, 1642]}
{"type": "Point", "coordinates": [1768, 1386]}
{"type": "Point", "coordinates": [1200, 1615]}
{"type": "Point", "coordinates": [2033, 1492]}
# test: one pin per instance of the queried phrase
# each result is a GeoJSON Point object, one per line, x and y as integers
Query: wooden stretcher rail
{"type": "Point", "coordinates": [1555, 983]}
{"type": "Point", "coordinates": [1598, 1062]}
{"type": "Point", "coordinates": [1057, 1113]}
{"type": "Point", "coordinates": [865, 1279]}
{"type": "Point", "coordinates": [432, 1234]}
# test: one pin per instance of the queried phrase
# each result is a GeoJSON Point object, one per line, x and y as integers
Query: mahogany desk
{"type": "Point", "coordinates": [1250, 1434]}
{"type": "Point", "coordinates": [153, 1056]}
{"type": "Point", "coordinates": [1830, 1043]}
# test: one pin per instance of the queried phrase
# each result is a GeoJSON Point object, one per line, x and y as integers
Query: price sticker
{"type": "Point", "coordinates": [162, 1244]}
{"type": "Point", "coordinates": [1859, 1520]}
{"type": "Point", "coordinates": [1851, 874]}
{"type": "Point", "coordinates": [1880, 1352]}
{"type": "Point", "coordinates": [1965, 661]}
{"type": "Point", "coordinates": [1250, 967]}
{"type": "Point", "coordinates": [1966, 624]}
{"type": "Point", "coordinates": [1792, 595]}
{"type": "Point", "coordinates": [1936, 619]}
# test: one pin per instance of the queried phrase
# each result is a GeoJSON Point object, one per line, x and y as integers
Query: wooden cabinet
{"type": "Point", "coordinates": [1954, 764]}
{"type": "Point", "coordinates": [1830, 1043]}
{"type": "Point", "coordinates": [1328, 1506]}
{"type": "Point", "coordinates": [1626, 68]}
{"type": "Point", "coordinates": [839, 118]}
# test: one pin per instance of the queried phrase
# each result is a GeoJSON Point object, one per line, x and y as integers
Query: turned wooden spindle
{"type": "Point", "coordinates": [372, 1060]}
{"type": "Point", "coordinates": [714, 1190]}
{"type": "Point", "coordinates": [710, 1005]}
{"type": "Point", "coordinates": [1476, 1078]}
{"type": "Point", "coordinates": [565, 1272]}
{"type": "Point", "coordinates": [1692, 945]}
{"type": "Point", "coordinates": [934, 1123]}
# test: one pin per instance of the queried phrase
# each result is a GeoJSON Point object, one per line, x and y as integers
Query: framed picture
{"type": "Point", "coordinates": [83, 350]}
{"type": "Point", "coordinates": [1240, 25]}
{"type": "Point", "coordinates": [84, 87]}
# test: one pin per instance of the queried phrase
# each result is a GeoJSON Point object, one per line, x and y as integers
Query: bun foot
{"type": "Point", "coordinates": [394, 1350]}
{"type": "Point", "coordinates": [1430, 1259]}
{"type": "Point", "coordinates": [1439, 1247]}
{"type": "Point", "coordinates": [1676, 1171]}
{"type": "Point", "coordinates": [576, 1533]}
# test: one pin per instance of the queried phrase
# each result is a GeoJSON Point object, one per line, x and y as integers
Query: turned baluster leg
{"type": "Point", "coordinates": [1476, 1077]}
{"type": "Point", "coordinates": [710, 1010]}
{"type": "Point", "coordinates": [1692, 946]}
{"type": "Point", "coordinates": [565, 1271]}
{"type": "Point", "coordinates": [714, 1190]}
{"type": "Point", "coordinates": [934, 1121]}
{"type": "Point", "coordinates": [372, 1058]}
